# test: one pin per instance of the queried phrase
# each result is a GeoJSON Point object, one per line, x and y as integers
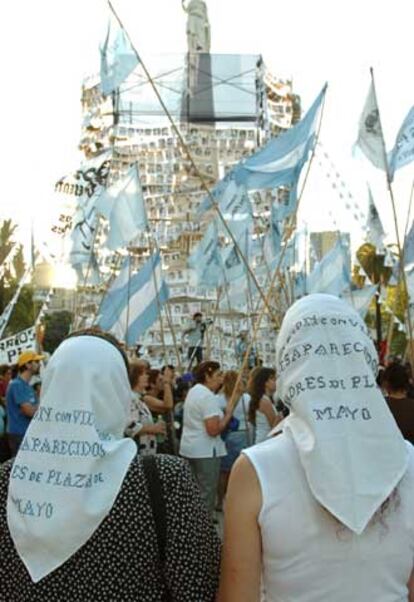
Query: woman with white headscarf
{"type": "Point", "coordinates": [76, 522]}
{"type": "Point", "coordinates": [323, 511]}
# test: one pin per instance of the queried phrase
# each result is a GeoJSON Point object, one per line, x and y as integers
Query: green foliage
{"type": "Point", "coordinates": [373, 264]}
{"type": "Point", "coordinates": [395, 296]}
{"type": "Point", "coordinates": [7, 230]}
{"type": "Point", "coordinates": [57, 326]}
{"type": "Point", "coordinates": [19, 265]}
{"type": "Point", "coordinates": [398, 343]}
{"type": "Point", "coordinates": [23, 315]}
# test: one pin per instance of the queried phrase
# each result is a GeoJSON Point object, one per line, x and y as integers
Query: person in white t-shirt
{"type": "Point", "coordinates": [203, 422]}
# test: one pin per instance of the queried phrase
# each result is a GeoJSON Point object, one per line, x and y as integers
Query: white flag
{"type": "Point", "coordinates": [370, 138]}
{"type": "Point", "coordinates": [403, 151]}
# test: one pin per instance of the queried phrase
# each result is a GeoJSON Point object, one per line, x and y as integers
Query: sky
{"type": "Point", "coordinates": [48, 46]}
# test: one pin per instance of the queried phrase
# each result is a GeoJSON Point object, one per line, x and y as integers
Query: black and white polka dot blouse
{"type": "Point", "coordinates": [119, 562]}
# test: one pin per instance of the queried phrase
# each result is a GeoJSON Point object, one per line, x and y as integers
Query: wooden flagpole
{"type": "Point", "coordinates": [128, 299]}
{"type": "Point", "coordinates": [168, 315]}
{"type": "Point", "coordinates": [277, 273]}
{"type": "Point", "coordinates": [193, 163]}
{"type": "Point", "coordinates": [157, 298]}
{"type": "Point", "coordinates": [402, 276]}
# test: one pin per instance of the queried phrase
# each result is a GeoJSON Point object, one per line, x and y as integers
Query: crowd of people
{"type": "Point", "coordinates": [308, 461]}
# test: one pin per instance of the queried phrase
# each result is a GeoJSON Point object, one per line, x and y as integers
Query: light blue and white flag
{"type": "Point", "coordinates": [375, 231]}
{"type": "Point", "coordinates": [88, 274]}
{"type": "Point", "coordinates": [232, 256]}
{"type": "Point", "coordinates": [403, 151]}
{"type": "Point", "coordinates": [81, 254]}
{"type": "Point", "coordinates": [331, 275]}
{"type": "Point", "coordinates": [206, 258]}
{"type": "Point", "coordinates": [289, 257]}
{"type": "Point", "coordinates": [130, 306]}
{"type": "Point", "coordinates": [118, 58]}
{"type": "Point", "coordinates": [300, 285]}
{"type": "Point", "coordinates": [360, 299]}
{"type": "Point", "coordinates": [280, 162]}
{"type": "Point", "coordinates": [273, 238]}
{"type": "Point", "coordinates": [287, 204]}
{"type": "Point", "coordinates": [234, 203]}
{"type": "Point", "coordinates": [123, 205]}
{"type": "Point", "coordinates": [236, 208]}
{"type": "Point", "coordinates": [409, 249]}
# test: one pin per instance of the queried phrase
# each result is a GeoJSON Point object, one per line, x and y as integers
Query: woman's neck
{"type": "Point", "coordinates": [398, 394]}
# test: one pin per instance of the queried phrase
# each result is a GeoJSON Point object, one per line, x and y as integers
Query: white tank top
{"type": "Point", "coordinates": [308, 556]}
{"type": "Point", "coordinates": [263, 427]}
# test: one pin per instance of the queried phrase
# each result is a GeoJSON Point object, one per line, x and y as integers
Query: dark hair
{"type": "Point", "coordinates": [257, 389]}
{"type": "Point", "coordinates": [181, 390]}
{"type": "Point", "coordinates": [169, 366]}
{"type": "Point", "coordinates": [395, 377]}
{"type": "Point", "coordinates": [4, 368]}
{"type": "Point", "coordinates": [197, 313]}
{"type": "Point", "coordinates": [205, 369]}
{"type": "Point", "coordinates": [153, 374]}
{"type": "Point", "coordinates": [95, 331]}
{"type": "Point", "coordinates": [136, 369]}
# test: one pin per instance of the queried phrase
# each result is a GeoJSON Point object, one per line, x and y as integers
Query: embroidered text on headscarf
{"type": "Point", "coordinates": [73, 459]}
{"type": "Point", "coordinates": [339, 420]}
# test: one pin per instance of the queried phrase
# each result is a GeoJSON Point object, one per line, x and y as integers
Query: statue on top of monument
{"type": "Point", "coordinates": [198, 26]}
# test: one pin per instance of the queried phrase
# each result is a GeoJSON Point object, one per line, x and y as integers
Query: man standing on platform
{"type": "Point", "coordinates": [21, 399]}
{"type": "Point", "coordinates": [242, 345]}
{"type": "Point", "coordinates": [195, 338]}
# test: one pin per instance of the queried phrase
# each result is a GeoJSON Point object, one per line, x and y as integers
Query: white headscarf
{"type": "Point", "coordinates": [73, 459]}
{"type": "Point", "coordinates": [349, 444]}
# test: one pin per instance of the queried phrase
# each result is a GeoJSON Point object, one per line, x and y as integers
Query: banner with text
{"type": "Point", "coordinates": [12, 347]}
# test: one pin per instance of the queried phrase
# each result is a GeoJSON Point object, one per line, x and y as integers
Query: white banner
{"type": "Point", "coordinates": [370, 139]}
{"type": "Point", "coordinates": [12, 347]}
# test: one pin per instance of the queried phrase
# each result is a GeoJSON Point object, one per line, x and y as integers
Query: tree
{"type": "Point", "coordinates": [396, 299]}
{"type": "Point", "coordinates": [57, 326]}
{"type": "Point", "coordinates": [373, 264]}
{"type": "Point", "coordinates": [12, 271]}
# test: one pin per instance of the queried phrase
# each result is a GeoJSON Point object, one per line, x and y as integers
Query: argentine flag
{"type": "Point", "coordinates": [331, 276]}
{"type": "Point", "coordinates": [118, 58]}
{"type": "Point", "coordinates": [131, 305]}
